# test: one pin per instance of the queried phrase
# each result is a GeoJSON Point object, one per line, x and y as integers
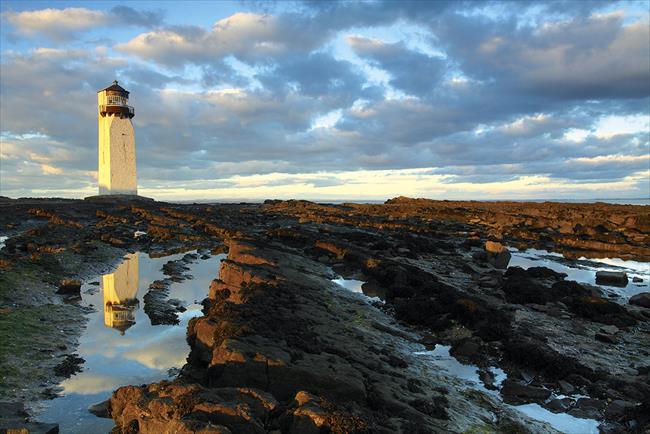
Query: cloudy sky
{"type": "Point", "coordinates": [322, 100]}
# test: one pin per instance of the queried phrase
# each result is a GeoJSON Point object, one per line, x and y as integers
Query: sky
{"type": "Point", "coordinates": [332, 100]}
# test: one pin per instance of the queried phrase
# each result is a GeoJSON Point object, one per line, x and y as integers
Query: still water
{"type": "Point", "coordinates": [120, 345]}
{"type": "Point", "coordinates": [584, 270]}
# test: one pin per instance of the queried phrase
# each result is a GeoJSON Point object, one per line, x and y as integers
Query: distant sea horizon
{"type": "Point", "coordinates": [625, 201]}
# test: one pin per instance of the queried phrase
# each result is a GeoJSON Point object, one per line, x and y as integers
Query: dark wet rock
{"type": "Point", "coordinates": [14, 419]}
{"type": "Point", "coordinates": [435, 407]}
{"type": "Point", "coordinates": [637, 279]}
{"type": "Point", "coordinates": [488, 379]}
{"type": "Point", "coordinates": [396, 362]}
{"type": "Point", "coordinates": [601, 310]}
{"type": "Point", "coordinates": [517, 393]}
{"type": "Point", "coordinates": [69, 287]}
{"type": "Point", "coordinates": [618, 408]}
{"type": "Point", "coordinates": [566, 387]}
{"type": "Point", "coordinates": [585, 413]}
{"type": "Point", "coordinates": [559, 405]}
{"type": "Point", "coordinates": [606, 338]}
{"type": "Point", "coordinates": [642, 299]}
{"type": "Point", "coordinates": [612, 278]}
{"type": "Point", "coordinates": [609, 329]}
{"type": "Point", "coordinates": [101, 409]}
{"type": "Point", "coordinates": [69, 366]}
{"type": "Point", "coordinates": [466, 349]}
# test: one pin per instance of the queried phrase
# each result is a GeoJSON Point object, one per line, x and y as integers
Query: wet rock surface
{"type": "Point", "coordinates": [280, 348]}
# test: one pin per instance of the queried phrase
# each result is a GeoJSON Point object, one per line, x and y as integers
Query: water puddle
{"type": "Point", "coordinates": [370, 292]}
{"type": "Point", "coordinates": [2, 242]}
{"type": "Point", "coordinates": [584, 270]}
{"type": "Point", "coordinates": [469, 374]}
{"type": "Point", "coordinates": [119, 344]}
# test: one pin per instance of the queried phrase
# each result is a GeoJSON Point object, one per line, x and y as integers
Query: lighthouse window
{"type": "Point", "coordinates": [116, 100]}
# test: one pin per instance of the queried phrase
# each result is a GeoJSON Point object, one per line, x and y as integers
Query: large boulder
{"type": "Point", "coordinates": [641, 299]}
{"type": "Point", "coordinates": [611, 278]}
{"type": "Point", "coordinates": [497, 254]}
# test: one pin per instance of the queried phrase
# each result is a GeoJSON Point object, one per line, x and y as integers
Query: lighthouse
{"type": "Point", "coordinates": [116, 168]}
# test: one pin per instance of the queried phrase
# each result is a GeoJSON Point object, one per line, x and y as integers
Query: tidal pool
{"type": "Point", "coordinates": [360, 287]}
{"type": "Point", "coordinates": [119, 344]}
{"type": "Point", "coordinates": [584, 270]}
{"type": "Point", "coordinates": [562, 422]}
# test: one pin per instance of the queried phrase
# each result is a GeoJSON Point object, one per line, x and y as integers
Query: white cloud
{"type": "Point", "coordinates": [56, 23]}
{"type": "Point", "coordinates": [249, 36]}
{"type": "Point", "coordinates": [610, 126]}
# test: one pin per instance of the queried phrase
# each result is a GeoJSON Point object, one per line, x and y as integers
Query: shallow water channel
{"type": "Point", "coordinates": [119, 344]}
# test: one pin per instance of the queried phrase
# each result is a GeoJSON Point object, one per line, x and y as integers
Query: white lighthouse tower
{"type": "Point", "coordinates": [116, 169]}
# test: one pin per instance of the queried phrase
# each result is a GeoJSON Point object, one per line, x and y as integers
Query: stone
{"type": "Point", "coordinates": [637, 279]}
{"type": "Point", "coordinates": [516, 393]}
{"type": "Point", "coordinates": [617, 408]}
{"type": "Point", "coordinates": [497, 254]}
{"type": "Point", "coordinates": [612, 278]}
{"type": "Point", "coordinates": [566, 387]}
{"type": "Point", "coordinates": [642, 299]}
{"type": "Point", "coordinates": [609, 329]}
{"type": "Point", "coordinates": [559, 405]}
{"type": "Point", "coordinates": [101, 409]}
{"type": "Point", "coordinates": [69, 287]}
{"type": "Point", "coordinates": [608, 339]}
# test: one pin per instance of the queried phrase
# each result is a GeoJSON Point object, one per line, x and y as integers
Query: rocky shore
{"type": "Point", "coordinates": [282, 348]}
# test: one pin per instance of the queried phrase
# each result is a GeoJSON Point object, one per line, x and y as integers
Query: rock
{"type": "Point", "coordinates": [466, 349]}
{"type": "Point", "coordinates": [611, 278]}
{"type": "Point", "coordinates": [585, 413]}
{"type": "Point", "coordinates": [69, 366]}
{"type": "Point", "coordinates": [602, 337]}
{"type": "Point", "coordinates": [516, 393]}
{"type": "Point", "coordinates": [15, 420]}
{"type": "Point", "coordinates": [487, 378]}
{"type": "Point", "coordinates": [642, 299]}
{"type": "Point", "coordinates": [601, 310]}
{"type": "Point", "coordinates": [315, 415]}
{"type": "Point", "coordinates": [435, 407]}
{"type": "Point", "coordinates": [190, 408]}
{"type": "Point", "coordinates": [559, 405]}
{"type": "Point", "coordinates": [101, 409]}
{"type": "Point", "coordinates": [566, 387]}
{"type": "Point", "coordinates": [480, 256]}
{"type": "Point", "coordinates": [598, 404]}
{"type": "Point", "coordinates": [396, 362]}
{"type": "Point", "coordinates": [617, 409]}
{"type": "Point", "coordinates": [497, 254]}
{"type": "Point", "coordinates": [69, 287]}
{"type": "Point", "coordinates": [609, 329]}
{"type": "Point", "coordinates": [637, 279]}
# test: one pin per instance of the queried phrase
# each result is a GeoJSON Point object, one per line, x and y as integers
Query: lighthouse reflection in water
{"type": "Point", "coordinates": [120, 291]}
{"type": "Point", "coordinates": [119, 344]}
